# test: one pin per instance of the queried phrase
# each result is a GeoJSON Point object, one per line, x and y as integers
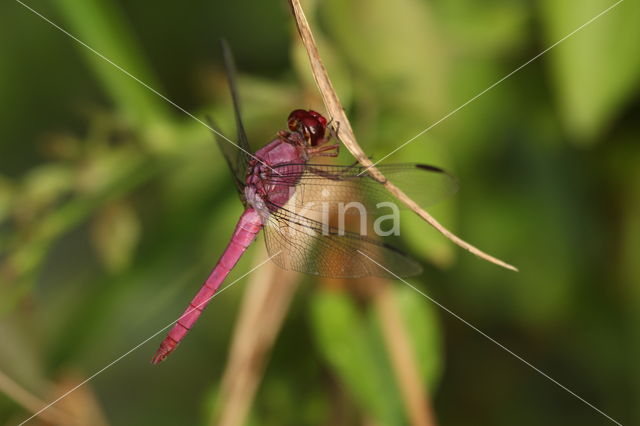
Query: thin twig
{"type": "Point", "coordinates": [336, 111]}
{"type": "Point", "coordinates": [401, 354]}
{"type": "Point", "coordinates": [32, 403]}
{"type": "Point", "coordinates": [84, 404]}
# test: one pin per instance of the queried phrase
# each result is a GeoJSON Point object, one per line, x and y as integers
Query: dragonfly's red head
{"type": "Point", "coordinates": [312, 125]}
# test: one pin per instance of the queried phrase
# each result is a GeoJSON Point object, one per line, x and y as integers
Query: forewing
{"type": "Point", "coordinates": [236, 154]}
{"type": "Point", "coordinates": [332, 187]}
{"type": "Point", "coordinates": [243, 149]}
{"type": "Point", "coordinates": [229, 152]}
{"type": "Point", "coordinates": [301, 244]}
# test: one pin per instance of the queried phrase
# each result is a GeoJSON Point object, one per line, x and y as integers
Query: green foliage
{"type": "Point", "coordinates": [101, 24]}
{"type": "Point", "coordinates": [353, 348]}
{"type": "Point", "coordinates": [595, 74]}
{"type": "Point", "coordinates": [114, 205]}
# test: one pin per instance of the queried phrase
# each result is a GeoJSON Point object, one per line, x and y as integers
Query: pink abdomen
{"type": "Point", "coordinates": [246, 230]}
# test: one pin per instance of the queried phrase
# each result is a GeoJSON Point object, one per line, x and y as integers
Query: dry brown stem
{"type": "Point", "coordinates": [336, 111]}
{"type": "Point", "coordinates": [83, 404]}
{"type": "Point", "coordinates": [265, 303]}
{"type": "Point", "coordinates": [32, 403]}
{"type": "Point", "coordinates": [401, 353]}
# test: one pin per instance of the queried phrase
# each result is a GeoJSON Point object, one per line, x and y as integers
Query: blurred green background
{"type": "Point", "coordinates": [114, 206]}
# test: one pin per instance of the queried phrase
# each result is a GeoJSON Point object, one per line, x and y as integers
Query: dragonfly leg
{"type": "Point", "coordinates": [321, 151]}
{"type": "Point", "coordinates": [333, 131]}
{"type": "Point", "coordinates": [332, 154]}
{"type": "Point", "coordinates": [283, 135]}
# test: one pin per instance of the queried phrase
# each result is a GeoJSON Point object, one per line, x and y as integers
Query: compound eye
{"type": "Point", "coordinates": [298, 114]}
{"type": "Point", "coordinates": [318, 117]}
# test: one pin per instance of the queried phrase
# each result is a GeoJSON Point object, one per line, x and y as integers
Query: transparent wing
{"type": "Point", "coordinates": [237, 169]}
{"type": "Point", "coordinates": [235, 153]}
{"type": "Point", "coordinates": [301, 244]}
{"type": "Point", "coordinates": [331, 187]}
{"type": "Point", "coordinates": [243, 150]}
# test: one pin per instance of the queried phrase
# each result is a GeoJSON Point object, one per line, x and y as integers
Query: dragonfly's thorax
{"type": "Point", "coordinates": [267, 183]}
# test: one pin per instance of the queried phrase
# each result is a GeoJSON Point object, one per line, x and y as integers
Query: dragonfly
{"type": "Point", "coordinates": [284, 191]}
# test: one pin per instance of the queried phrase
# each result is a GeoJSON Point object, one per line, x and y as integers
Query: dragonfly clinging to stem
{"type": "Point", "coordinates": [279, 186]}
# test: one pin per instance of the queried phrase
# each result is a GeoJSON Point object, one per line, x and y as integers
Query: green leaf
{"type": "Point", "coordinates": [594, 70]}
{"type": "Point", "coordinates": [483, 28]}
{"type": "Point", "coordinates": [103, 27]}
{"type": "Point", "coordinates": [399, 51]}
{"type": "Point", "coordinates": [353, 347]}
{"type": "Point", "coordinates": [331, 59]}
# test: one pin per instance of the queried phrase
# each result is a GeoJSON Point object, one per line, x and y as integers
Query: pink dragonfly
{"type": "Point", "coordinates": [280, 188]}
